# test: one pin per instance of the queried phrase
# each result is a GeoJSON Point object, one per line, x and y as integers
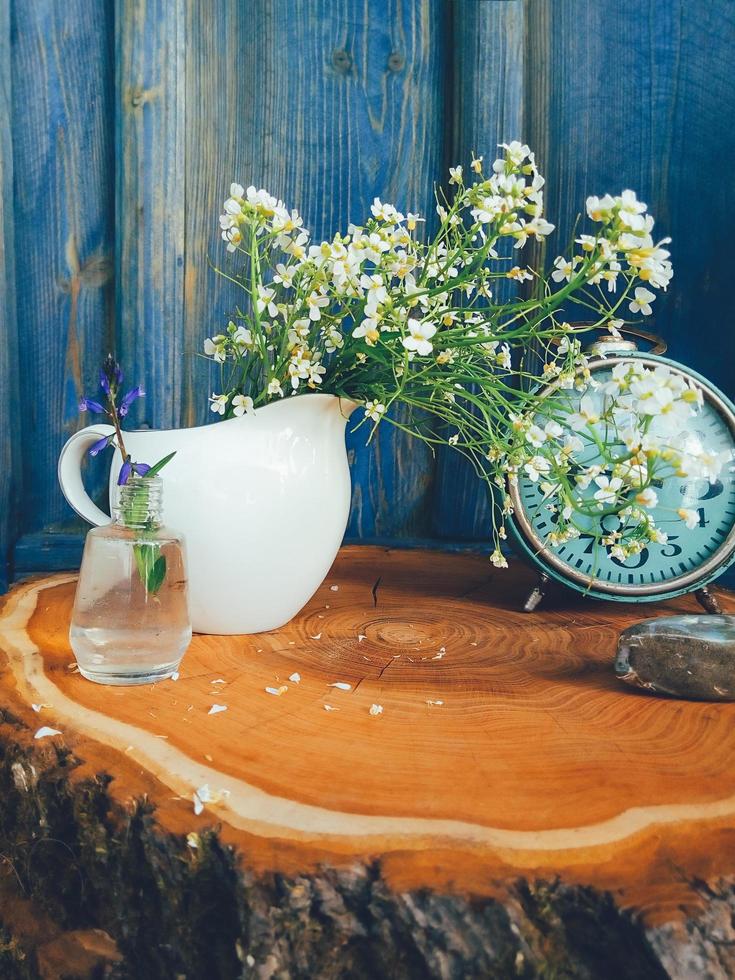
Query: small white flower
{"type": "Point", "coordinates": [455, 175]}
{"type": "Point", "coordinates": [385, 212]}
{"type": "Point", "coordinates": [374, 289]}
{"type": "Point", "coordinates": [609, 488]}
{"type": "Point", "coordinates": [537, 466]}
{"type": "Point", "coordinates": [690, 517]}
{"type": "Point", "coordinates": [242, 404]}
{"type": "Point", "coordinates": [503, 357]}
{"type": "Point", "coordinates": [498, 559]}
{"type": "Point", "coordinates": [218, 404]}
{"type": "Point", "coordinates": [419, 336]}
{"type": "Point", "coordinates": [642, 302]}
{"type": "Point", "coordinates": [369, 330]}
{"type": "Point", "coordinates": [376, 709]}
{"type": "Point", "coordinates": [274, 387]}
{"type": "Point", "coordinates": [520, 275]}
{"type": "Point", "coordinates": [284, 274]}
{"type": "Point", "coordinates": [316, 302]}
{"type": "Point", "coordinates": [587, 414]}
{"type": "Point", "coordinates": [600, 208]}
{"type": "Point", "coordinates": [214, 348]}
{"type": "Point", "coordinates": [631, 211]}
{"type": "Point", "coordinates": [647, 497]}
{"type": "Point", "coordinates": [536, 436]}
{"type": "Point", "coordinates": [242, 338]}
{"type": "Point", "coordinates": [564, 268]}
{"type": "Point", "coordinates": [375, 410]}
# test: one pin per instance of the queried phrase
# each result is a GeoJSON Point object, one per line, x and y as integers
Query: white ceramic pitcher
{"type": "Point", "coordinates": [262, 501]}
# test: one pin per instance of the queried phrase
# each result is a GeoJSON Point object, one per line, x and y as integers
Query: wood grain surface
{"type": "Point", "coordinates": [505, 747]}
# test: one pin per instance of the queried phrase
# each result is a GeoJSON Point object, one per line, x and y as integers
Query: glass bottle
{"type": "Point", "coordinates": [130, 623]}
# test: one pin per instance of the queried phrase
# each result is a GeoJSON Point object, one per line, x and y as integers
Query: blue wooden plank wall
{"type": "Point", "coordinates": [122, 124]}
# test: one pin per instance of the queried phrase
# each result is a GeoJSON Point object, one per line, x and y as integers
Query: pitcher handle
{"type": "Point", "coordinates": [70, 472]}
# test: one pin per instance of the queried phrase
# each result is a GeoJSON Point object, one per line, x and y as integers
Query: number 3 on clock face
{"type": "Point", "coordinates": [690, 558]}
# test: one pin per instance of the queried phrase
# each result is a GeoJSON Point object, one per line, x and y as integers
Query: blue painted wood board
{"type": "Point", "coordinates": [10, 443]}
{"type": "Point", "coordinates": [127, 121]}
{"type": "Point", "coordinates": [61, 64]}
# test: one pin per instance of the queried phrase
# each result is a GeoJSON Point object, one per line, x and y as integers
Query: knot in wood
{"type": "Point", "coordinates": [342, 61]}
{"type": "Point", "coordinates": [396, 61]}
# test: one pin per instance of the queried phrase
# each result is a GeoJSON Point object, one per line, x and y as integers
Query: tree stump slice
{"type": "Point", "coordinates": [513, 810]}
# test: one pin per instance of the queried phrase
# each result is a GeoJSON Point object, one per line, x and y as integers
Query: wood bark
{"type": "Point", "coordinates": [514, 810]}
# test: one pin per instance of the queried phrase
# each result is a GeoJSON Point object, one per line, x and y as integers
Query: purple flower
{"type": "Point", "coordinates": [128, 468]}
{"type": "Point", "coordinates": [128, 400]}
{"type": "Point", "coordinates": [110, 375]}
{"type": "Point", "coordinates": [101, 444]}
{"type": "Point", "coordinates": [89, 405]}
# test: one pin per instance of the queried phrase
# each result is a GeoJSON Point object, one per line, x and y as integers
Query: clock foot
{"type": "Point", "coordinates": [707, 601]}
{"type": "Point", "coordinates": [536, 594]}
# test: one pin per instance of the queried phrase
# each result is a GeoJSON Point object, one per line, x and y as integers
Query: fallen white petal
{"type": "Point", "coordinates": [317, 636]}
{"type": "Point", "coordinates": [43, 732]}
{"type": "Point", "coordinates": [216, 708]}
{"type": "Point", "coordinates": [334, 588]}
{"type": "Point", "coordinates": [37, 707]}
{"type": "Point", "coordinates": [431, 701]}
{"type": "Point", "coordinates": [192, 840]}
{"type": "Point", "coordinates": [341, 685]}
{"type": "Point", "coordinates": [277, 691]}
{"type": "Point", "coordinates": [295, 677]}
{"type": "Point", "coordinates": [361, 637]}
{"type": "Point", "coordinates": [376, 709]}
{"type": "Point", "coordinates": [329, 707]}
{"type": "Point", "coordinates": [175, 675]}
{"type": "Point", "coordinates": [201, 796]}
{"type": "Point", "coordinates": [219, 680]}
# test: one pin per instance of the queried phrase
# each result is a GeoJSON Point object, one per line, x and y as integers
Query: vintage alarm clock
{"type": "Point", "coordinates": [690, 559]}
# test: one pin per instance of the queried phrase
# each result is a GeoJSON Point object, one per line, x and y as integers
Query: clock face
{"type": "Point", "coordinates": [689, 555]}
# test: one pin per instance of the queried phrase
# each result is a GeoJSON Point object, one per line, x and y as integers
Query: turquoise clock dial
{"type": "Point", "coordinates": [690, 557]}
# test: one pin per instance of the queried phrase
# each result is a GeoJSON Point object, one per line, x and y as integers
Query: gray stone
{"type": "Point", "coordinates": [682, 656]}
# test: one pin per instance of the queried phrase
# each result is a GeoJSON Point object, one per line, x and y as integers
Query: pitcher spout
{"type": "Point", "coordinates": [347, 406]}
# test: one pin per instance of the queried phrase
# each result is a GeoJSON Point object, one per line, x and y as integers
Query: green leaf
{"type": "Point", "coordinates": [151, 565]}
{"type": "Point", "coordinates": [157, 574]}
{"type": "Point", "coordinates": [157, 467]}
{"type": "Point", "coordinates": [139, 553]}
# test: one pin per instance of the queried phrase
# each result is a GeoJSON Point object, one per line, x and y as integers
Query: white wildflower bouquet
{"type": "Point", "coordinates": [450, 337]}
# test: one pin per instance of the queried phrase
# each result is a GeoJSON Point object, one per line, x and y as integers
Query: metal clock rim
{"type": "Point", "coordinates": [698, 576]}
